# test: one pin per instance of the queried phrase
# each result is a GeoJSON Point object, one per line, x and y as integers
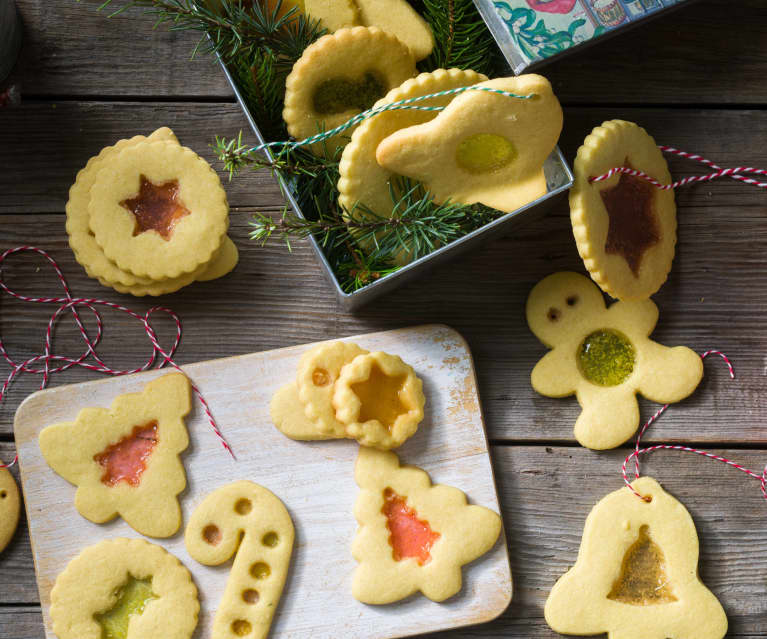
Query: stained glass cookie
{"type": "Point", "coordinates": [484, 147]}
{"type": "Point", "coordinates": [124, 589]}
{"type": "Point", "coordinates": [10, 505]}
{"type": "Point", "coordinates": [339, 76]}
{"type": "Point", "coordinates": [624, 227]}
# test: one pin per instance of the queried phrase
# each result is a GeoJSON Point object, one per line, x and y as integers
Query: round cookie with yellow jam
{"type": "Point", "coordinates": [158, 210]}
{"type": "Point", "coordinates": [624, 227]}
{"type": "Point", "coordinates": [339, 76]}
{"type": "Point", "coordinates": [124, 589]}
{"type": "Point", "coordinates": [364, 184]}
{"type": "Point", "coordinates": [10, 505]}
{"type": "Point", "coordinates": [380, 400]}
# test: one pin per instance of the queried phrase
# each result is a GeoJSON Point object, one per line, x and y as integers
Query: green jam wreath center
{"type": "Point", "coordinates": [132, 598]}
{"type": "Point", "coordinates": [339, 95]}
{"type": "Point", "coordinates": [606, 358]}
{"type": "Point", "coordinates": [484, 153]}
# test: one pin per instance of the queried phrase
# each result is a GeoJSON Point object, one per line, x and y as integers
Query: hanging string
{"type": "Point", "coordinates": [762, 477]}
{"type": "Point", "coordinates": [46, 364]}
{"type": "Point", "coordinates": [408, 103]}
{"type": "Point", "coordinates": [719, 172]}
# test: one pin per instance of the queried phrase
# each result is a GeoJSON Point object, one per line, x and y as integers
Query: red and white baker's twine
{"type": "Point", "coordinates": [762, 477]}
{"type": "Point", "coordinates": [69, 303]}
{"type": "Point", "coordinates": [719, 172]}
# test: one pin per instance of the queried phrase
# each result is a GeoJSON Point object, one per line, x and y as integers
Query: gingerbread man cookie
{"type": "Point", "coordinates": [10, 505]}
{"type": "Point", "coordinates": [605, 357]}
{"type": "Point", "coordinates": [124, 589]}
{"type": "Point", "coordinates": [245, 521]}
{"type": "Point", "coordinates": [413, 536]}
{"type": "Point", "coordinates": [636, 576]}
{"type": "Point", "coordinates": [624, 227]}
{"type": "Point", "coordinates": [124, 460]}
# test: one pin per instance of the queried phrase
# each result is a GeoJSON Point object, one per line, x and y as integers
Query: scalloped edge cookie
{"type": "Point", "coordinates": [10, 506]}
{"type": "Point", "coordinates": [608, 146]}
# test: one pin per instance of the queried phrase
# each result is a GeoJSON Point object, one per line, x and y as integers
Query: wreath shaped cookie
{"type": "Point", "coordinates": [624, 227]}
{"type": "Point", "coordinates": [158, 210]}
{"type": "Point", "coordinates": [10, 505]}
{"type": "Point", "coordinates": [125, 460]}
{"type": "Point", "coordinates": [124, 589]}
{"type": "Point", "coordinates": [413, 536]}
{"type": "Point", "coordinates": [484, 147]}
{"type": "Point", "coordinates": [605, 357]}
{"type": "Point", "coordinates": [339, 76]}
{"type": "Point", "coordinates": [636, 576]}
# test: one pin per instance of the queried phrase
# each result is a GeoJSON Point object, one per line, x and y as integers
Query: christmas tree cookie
{"type": "Point", "coordinates": [605, 357]}
{"type": "Point", "coordinates": [124, 460]}
{"type": "Point", "coordinates": [624, 227]}
{"type": "Point", "coordinates": [10, 505]}
{"type": "Point", "coordinates": [245, 521]}
{"type": "Point", "coordinates": [484, 147]}
{"type": "Point", "coordinates": [124, 589]}
{"type": "Point", "coordinates": [636, 576]}
{"type": "Point", "coordinates": [413, 536]}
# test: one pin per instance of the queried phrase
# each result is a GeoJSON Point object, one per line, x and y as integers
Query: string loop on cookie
{"type": "Point", "coordinates": [762, 477]}
{"type": "Point", "coordinates": [47, 363]}
{"type": "Point", "coordinates": [719, 172]}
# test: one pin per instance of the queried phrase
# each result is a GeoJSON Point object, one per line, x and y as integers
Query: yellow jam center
{"type": "Point", "coordinates": [606, 358]}
{"type": "Point", "coordinates": [156, 207]}
{"type": "Point", "coordinates": [381, 397]}
{"type": "Point", "coordinates": [485, 153]}
{"type": "Point", "coordinates": [132, 598]}
{"type": "Point", "coordinates": [643, 580]}
{"type": "Point", "coordinates": [339, 95]}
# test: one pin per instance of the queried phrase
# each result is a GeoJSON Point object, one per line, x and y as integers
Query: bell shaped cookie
{"type": "Point", "coordinates": [605, 357]}
{"type": "Point", "coordinates": [413, 536]}
{"type": "Point", "coordinates": [636, 576]}
{"type": "Point", "coordinates": [124, 460]}
{"type": "Point", "coordinates": [624, 227]}
{"type": "Point", "coordinates": [10, 505]}
{"type": "Point", "coordinates": [484, 147]}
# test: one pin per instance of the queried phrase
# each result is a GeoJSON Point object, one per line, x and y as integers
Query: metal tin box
{"type": "Point", "coordinates": [559, 179]}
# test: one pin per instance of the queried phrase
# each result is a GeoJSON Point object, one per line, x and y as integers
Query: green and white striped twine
{"type": "Point", "coordinates": [394, 106]}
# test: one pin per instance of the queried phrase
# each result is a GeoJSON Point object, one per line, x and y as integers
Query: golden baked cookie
{"type": "Point", "coordinates": [245, 521]}
{"type": "Point", "coordinates": [124, 460]}
{"type": "Point", "coordinates": [365, 183]}
{"type": "Point", "coordinates": [10, 505]}
{"type": "Point", "coordinates": [124, 589]}
{"type": "Point", "coordinates": [331, 14]}
{"type": "Point", "coordinates": [379, 399]}
{"type": "Point", "coordinates": [413, 536]}
{"type": "Point", "coordinates": [158, 210]}
{"type": "Point", "coordinates": [399, 18]}
{"type": "Point", "coordinates": [483, 147]}
{"type": "Point", "coordinates": [636, 576]}
{"type": "Point", "coordinates": [605, 357]}
{"type": "Point", "coordinates": [624, 227]}
{"type": "Point", "coordinates": [340, 75]}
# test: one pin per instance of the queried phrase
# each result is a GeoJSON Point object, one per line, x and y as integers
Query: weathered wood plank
{"type": "Point", "coordinates": [718, 52]}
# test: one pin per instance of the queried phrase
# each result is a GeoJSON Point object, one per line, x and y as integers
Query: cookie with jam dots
{"type": "Point", "coordinates": [604, 356]}
{"type": "Point", "coordinates": [124, 589]}
{"type": "Point", "coordinates": [636, 576]}
{"type": "Point", "coordinates": [624, 227]}
{"type": "Point", "coordinates": [124, 459]}
{"type": "Point", "coordinates": [10, 506]}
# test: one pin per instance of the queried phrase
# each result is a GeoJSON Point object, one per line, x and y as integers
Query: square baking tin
{"type": "Point", "coordinates": [559, 179]}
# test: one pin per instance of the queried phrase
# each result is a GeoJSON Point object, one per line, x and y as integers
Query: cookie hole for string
{"type": "Point", "coordinates": [243, 506]}
{"type": "Point", "coordinates": [241, 628]}
{"type": "Point", "coordinates": [572, 300]}
{"type": "Point", "coordinates": [320, 377]}
{"type": "Point", "coordinates": [212, 535]}
{"type": "Point", "coordinates": [3, 494]}
{"type": "Point", "coordinates": [553, 314]}
{"type": "Point", "coordinates": [250, 596]}
{"type": "Point", "coordinates": [270, 539]}
{"type": "Point", "coordinates": [260, 570]}
{"type": "Point", "coordinates": [339, 95]}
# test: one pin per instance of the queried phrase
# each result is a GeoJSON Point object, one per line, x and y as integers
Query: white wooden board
{"type": "Point", "coordinates": [314, 480]}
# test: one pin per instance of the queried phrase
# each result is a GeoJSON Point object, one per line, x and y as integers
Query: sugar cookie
{"type": "Point", "coordinates": [245, 521]}
{"type": "Point", "coordinates": [124, 589]}
{"type": "Point", "coordinates": [125, 460]}
{"type": "Point", "coordinates": [158, 210]}
{"type": "Point", "coordinates": [605, 357]}
{"type": "Point", "coordinates": [483, 147]}
{"type": "Point", "coordinates": [379, 399]}
{"type": "Point", "coordinates": [10, 505]}
{"type": "Point", "coordinates": [413, 535]}
{"type": "Point", "coordinates": [399, 18]}
{"type": "Point", "coordinates": [339, 76]}
{"type": "Point", "coordinates": [331, 14]}
{"type": "Point", "coordinates": [624, 227]}
{"type": "Point", "coordinates": [636, 576]}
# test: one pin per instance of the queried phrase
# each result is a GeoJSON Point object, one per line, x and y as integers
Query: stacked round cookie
{"type": "Point", "coordinates": [148, 216]}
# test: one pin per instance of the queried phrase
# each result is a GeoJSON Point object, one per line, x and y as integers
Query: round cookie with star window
{"type": "Point", "coordinates": [158, 210]}
{"type": "Point", "coordinates": [624, 227]}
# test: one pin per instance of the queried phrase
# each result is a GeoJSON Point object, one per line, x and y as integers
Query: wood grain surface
{"type": "Point", "coordinates": [695, 80]}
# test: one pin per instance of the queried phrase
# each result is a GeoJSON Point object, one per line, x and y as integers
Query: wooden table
{"type": "Point", "coordinates": [695, 80]}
